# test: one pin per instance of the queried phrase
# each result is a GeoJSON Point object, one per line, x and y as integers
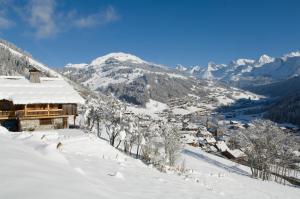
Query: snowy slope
{"type": "Point", "coordinates": [31, 61]}
{"type": "Point", "coordinates": [87, 167]}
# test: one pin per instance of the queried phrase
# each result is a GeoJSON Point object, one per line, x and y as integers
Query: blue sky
{"type": "Point", "coordinates": [169, 32]}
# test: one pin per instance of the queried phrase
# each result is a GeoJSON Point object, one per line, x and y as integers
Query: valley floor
{"type": "Point", "coordinates": [88, 167]}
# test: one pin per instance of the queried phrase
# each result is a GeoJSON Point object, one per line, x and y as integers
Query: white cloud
{"type": "Point", "coordinates": [97, 19]}
{"type": "Point", "coordinates": [45, 19]}
{"type": "Point", "coordinates": [41, 16]}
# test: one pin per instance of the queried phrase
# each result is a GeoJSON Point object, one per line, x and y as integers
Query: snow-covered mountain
{"type": "Point", "coordinates": [136, 81]}
{"type": "Point", "coordinates": [243, 72]}
{"type": "Point", "coordinates": [181, 68]}
{"type": "Point", "coordinates": [132, 79]}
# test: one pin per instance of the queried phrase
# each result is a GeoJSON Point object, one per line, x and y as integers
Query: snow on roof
{"type": "Point", "coordinates": [187, 138]}
{"type": "Point", "coordinates": [221, 145]}
{"type": "Point", "coordinates": [204, 132]}
{"type": "Point", "coordinates": [237, 153]}
{"type": "Point", "coordinates": [210, 140]}
{"type": "Point", "coordinates": [50, 90]}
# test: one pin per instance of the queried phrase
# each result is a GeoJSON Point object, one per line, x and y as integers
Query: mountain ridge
{"type": "Point", "coordinates": [136, 81]}
{"type": "Point", "coordinates": [242, 72]}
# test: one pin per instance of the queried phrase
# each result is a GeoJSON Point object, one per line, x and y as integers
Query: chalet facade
{"type": "Point", "coordinates": [37, 102]}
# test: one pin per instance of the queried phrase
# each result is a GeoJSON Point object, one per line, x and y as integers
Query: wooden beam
{"type": "Point", "coordinates": [48, 109]}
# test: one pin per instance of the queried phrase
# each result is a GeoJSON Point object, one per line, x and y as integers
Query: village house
{"type": "Point", "coordinates": [37, 102]}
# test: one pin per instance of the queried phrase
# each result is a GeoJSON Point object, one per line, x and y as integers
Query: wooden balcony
{"type": "Point", "coordinates": [37, 113]}
{"type": "Point", "coordinates": [7, 114]}
{"type": "Point", "coordinates": [31, 113]}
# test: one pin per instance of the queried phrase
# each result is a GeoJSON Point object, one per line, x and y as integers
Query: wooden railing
{"type": "Point", "coordinates": [36, 113]}
{"type": "Point", "coordinates": [7, 113]}
{"type": "Point", "coordinates": [31, 113]}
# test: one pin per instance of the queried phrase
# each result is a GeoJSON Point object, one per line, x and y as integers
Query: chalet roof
{"type": "Point", "coordinates": [222, 146]}
{"type": "Point", "coordinates": [51, 90]}
{"type": "Point", "coordinates": [237, 153]}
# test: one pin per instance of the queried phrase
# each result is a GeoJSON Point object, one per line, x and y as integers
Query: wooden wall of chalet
{"type": "Point", "coordinates": [69, 109]}
{"type": "Point", "coordinates": [6, 105]}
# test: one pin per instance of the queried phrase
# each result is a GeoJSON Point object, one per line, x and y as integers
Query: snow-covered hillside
{"type": "Point", "coordinates": [137, 81]}
{"type": "Point", "coordinates": [16, 62]}
{"type": "Point", "coordinates": [116, 68]}
{"type": "Point", "coordinates": [130, 78]}
{"type": "Point", "coordinates": [15, 53]}
{"type": "Point", "coordinates": [122, 57]}
{"type": "Point", "coordinates": [243, 72]}
{"type": "Point", "coordinates": [88, 167]}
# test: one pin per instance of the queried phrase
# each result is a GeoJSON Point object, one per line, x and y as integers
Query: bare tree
{"type": "Point", "coordinates": [171, 141]}
{"type": "Point", "coordinates": [266, 145]}
{"type": "Point", "coordinates": [108, 112]}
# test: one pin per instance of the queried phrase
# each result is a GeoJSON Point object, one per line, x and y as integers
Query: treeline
{"type": "Point", "coordinates": [12, 46]}
{"type": "Point", "coordinates": [11, 64]}
{"type": "Point", "coordinates": [286, 107]}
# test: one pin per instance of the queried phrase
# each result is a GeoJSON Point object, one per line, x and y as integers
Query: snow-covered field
{"type": "Point", "coordinates": [152, 107]}
{"type": "Point", "coordinates": [88, 167]}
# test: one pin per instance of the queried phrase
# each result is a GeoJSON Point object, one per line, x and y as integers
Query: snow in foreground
{"type": "Point", "coordinates": [87, 167]}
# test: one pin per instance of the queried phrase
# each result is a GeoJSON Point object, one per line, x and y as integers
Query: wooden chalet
{"type": "Point", "coordinates": [37, 102]}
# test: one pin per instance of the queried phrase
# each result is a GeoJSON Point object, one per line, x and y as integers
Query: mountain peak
{"type": "Point", "coordinates": [180, 67]}
{"type": "Point", "coordinates": [265, 59]}
{"type": "Point", "coordinates": [78, 66]}
{"type": "Point", "coordinates": [241, 62]}
{"type": "Point", "coordinates": [120, 56]}
{"type": "Point", "coordinates": [292, 54]}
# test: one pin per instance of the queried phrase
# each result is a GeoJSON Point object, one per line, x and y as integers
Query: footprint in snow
{"type": "Point", "coordinates": [122, 164]}
{"type": "Point", "coordinates": [118, 175]}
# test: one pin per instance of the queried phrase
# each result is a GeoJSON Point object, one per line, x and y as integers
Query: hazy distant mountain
{"type": "Point", "coordinates": [245, 72]}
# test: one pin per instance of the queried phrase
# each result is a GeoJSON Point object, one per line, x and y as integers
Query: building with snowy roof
{"type": "Point", "coordinates": [36, 102]}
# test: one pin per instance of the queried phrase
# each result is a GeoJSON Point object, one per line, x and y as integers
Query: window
{"type": "Point", "coordinates": [45, 121]}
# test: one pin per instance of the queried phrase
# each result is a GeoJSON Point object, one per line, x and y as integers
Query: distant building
{"type": "Point", "coordinates": [37, 102]}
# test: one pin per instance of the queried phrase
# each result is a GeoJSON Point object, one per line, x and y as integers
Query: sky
{"type": "Point", "coordinates": [169, 32]}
